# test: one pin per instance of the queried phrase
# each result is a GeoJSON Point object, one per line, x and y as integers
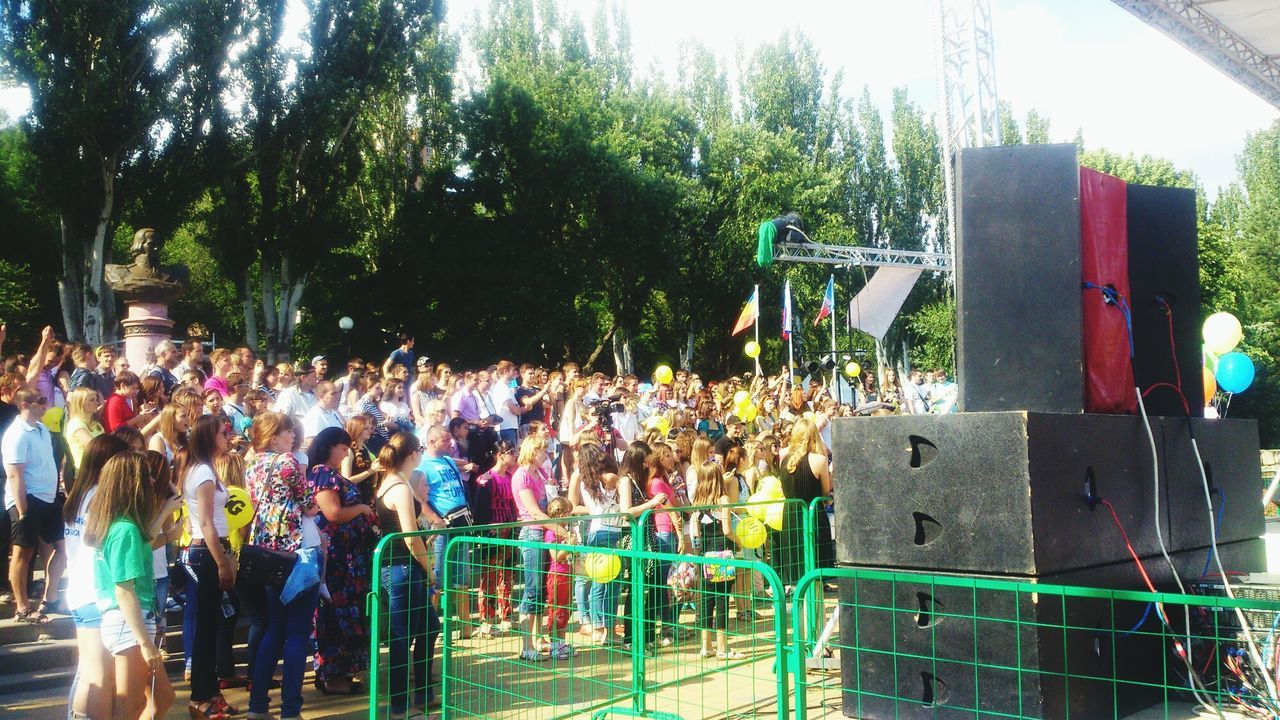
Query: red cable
{"type": "Point", "coordinates": [1173, 348]}
{"type": "Point", "coordinates": [1185, 407]}
{"type": "Point", "coordinates": [1132, 553]}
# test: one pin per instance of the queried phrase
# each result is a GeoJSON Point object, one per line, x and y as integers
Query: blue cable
{"type": "Point", "coordinates": [1138, 624]}
{"type": "Point", "coordinates": [1113, 296]}
{"type": "Point", "coordinates": [1222, 508]}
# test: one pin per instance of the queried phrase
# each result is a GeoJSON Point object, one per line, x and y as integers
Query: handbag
{"type": "Point", "coordinates": [719, 573]}
{"type": "Point", "coordinates": [263, 566]}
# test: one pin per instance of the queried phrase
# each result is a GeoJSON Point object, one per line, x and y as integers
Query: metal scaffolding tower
{"type": "Point", "coordinates": [968, 111]}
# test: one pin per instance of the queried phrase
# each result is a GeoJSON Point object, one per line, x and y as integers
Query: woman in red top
{"type": "Point", "coordinates": [118, 409]}
{"type": "Point", "coordinates": [496, 575]}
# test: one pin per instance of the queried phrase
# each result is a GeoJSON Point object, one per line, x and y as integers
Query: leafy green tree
{"type": "Point", "coordinates": [95, 90]}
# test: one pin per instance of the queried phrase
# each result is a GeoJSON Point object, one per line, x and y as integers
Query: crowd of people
{"type": "Point", "coordinates": [126, 477]}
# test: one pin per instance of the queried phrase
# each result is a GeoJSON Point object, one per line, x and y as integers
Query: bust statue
{"type": "Point", "coordinates": [144, 279]}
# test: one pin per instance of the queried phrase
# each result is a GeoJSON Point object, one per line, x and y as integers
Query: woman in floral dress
{"type": "Point", "coordinates": [342, 630]}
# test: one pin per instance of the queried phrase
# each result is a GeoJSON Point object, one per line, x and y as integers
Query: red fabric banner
{"type": "Point", "coordinates": [1104, 260]}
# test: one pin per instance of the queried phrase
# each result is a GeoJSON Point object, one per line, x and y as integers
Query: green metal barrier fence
{"type": "Point", "coordinates": [918, 645]}
{"type": "Point", "coordinates": [664, 670]}
{"type": "Point", "coordinates": [399, 680]}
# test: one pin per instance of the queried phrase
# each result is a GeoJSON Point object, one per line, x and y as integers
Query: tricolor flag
{"type": "Point", "coordinates": [786, 310]}
{"type": "Point", "coordinates": [749, 313]}
{"type": "Point", "coordinates": [828, 301]}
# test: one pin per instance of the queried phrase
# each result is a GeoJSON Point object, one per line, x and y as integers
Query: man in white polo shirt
{"type": "Point", "coordinates": [324, 414]}
{"type": "Point", "coordinates": [31, 499]}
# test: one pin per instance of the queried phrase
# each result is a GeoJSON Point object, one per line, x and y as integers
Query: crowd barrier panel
{"type": "Point", "coordinates": [786, 553]}
{"type": "Point", "coordinates": [419, 606]}
{"type": "Point", "coordinates": [913, 644]}
{"type": "Point", "coordinates": [648, 676]}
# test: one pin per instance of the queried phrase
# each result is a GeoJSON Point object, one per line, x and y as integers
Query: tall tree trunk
{"type": "Point", "coordinates": [269, 310]}
{"type": "Point", "coordinates": [291, 314]}
{"type": "Point", "coordinates": [92, 289]}
{"type": "Point", "coordinates": [69, 285]}
{"type": "Point", "coordinates": [250, 315]}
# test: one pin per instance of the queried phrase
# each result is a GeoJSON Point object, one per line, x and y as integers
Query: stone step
{"type": "Point", "coordinates": [14, 683]}
{"type": "Point", "coordinates": [12, 632]}
{"type": "Point", "coordinates": [28, 657]}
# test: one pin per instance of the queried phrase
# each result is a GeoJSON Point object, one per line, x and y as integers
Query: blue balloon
{"type": "Point", "coordinates": [1235, 372]}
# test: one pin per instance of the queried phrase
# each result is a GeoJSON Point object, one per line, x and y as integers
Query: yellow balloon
{"type": "Point", "coordinates": [53, 418]}
{"type": "Point", "coordinates": [663, 375]}
{"type": "Point", "coordinates": [239, 508]}
{"type": "Point", "coordinates": [751, 533]}
{"type": "Point", "coordinates": [752, 349]}
{"type": "Point", "coordinates": [1222, 332]}
{"type": "Point", "coordinates": [771, 514]}
{"type": "Point", "coordinates": [852, 369]}
{"type": "Point", "coordinates": [741, 398]}
{"type": "Point", "coordinates": [748, 413]}
{"type": "Point", "coordinates": [602, 568]}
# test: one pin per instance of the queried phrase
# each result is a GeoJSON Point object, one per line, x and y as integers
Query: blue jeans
{"type": "Point", "coordinates": [287, 635]}
{"type": "Point", "coordinates": [534, 561]}
{"type": "Point", "coordinates": [664, 608]}
{"type": "Point", "coordinates": [459, 561]}
{"type": "Point", "coordinates": [582, 586]}
{"type": "Point", "coordinates": [415, 626]}
{"type": "Point", "coordinates": [604, 596]}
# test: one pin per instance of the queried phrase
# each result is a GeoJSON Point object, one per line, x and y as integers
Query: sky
{"type": "Point", "coordinates": [1086, 65]}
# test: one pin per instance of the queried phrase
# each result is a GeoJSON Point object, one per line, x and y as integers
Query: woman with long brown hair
{"type": "Point", "coordinates": [208, 560]}
{"type": "Point", "coordinates": [121, 523]}
{"type": "Point", "coordinates": [360, 466]}
{"type": "Point", "coordinates": [408, 576]}
{"type": "Point", "coordinates": [94, 682]}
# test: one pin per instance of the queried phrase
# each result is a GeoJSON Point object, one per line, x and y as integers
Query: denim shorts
{"type": "Point", "coordinates": [117, 637]}
{"type": "Point", "coordinates": [87, 616]}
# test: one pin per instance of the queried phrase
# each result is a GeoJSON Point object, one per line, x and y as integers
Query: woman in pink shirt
{"type": "Point", "coordinates": [529, 487]}
{"type": "Point", "coordinates": [667, 528]}
{"type": "Point", "coordinates": [493, 489]}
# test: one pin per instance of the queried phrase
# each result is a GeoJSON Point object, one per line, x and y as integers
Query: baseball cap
{"type": "Point", "coordinates": [424, 361]}
{"type": "Point", "coordinates": [316, 360]}
{"type": "Point", "coordinates": [733, 420]}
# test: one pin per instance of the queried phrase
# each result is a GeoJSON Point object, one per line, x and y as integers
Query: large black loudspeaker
{"type": "Point", "coordinates": [1017, 493]}
{"type": "Point", "coordinates": [1000, 493]}
{"type": "Point", "coordinates": [1233, 467]}
{"type": "Point", "coordinates": [1018, 342]}
{"type": "Point", "coordinates": [937, 649]}
{"type": "Point", "coordinates": [1164, 282]}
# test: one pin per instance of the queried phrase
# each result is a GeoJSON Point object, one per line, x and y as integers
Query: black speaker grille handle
{"type": "Point", "coordinates": [933, 692]}
{"type": "Point", "coordinates": [923, 451]}
{"type": "Point", "coordinates": [927, 528]}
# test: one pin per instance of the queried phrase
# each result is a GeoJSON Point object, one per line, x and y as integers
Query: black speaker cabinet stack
{"type": "Point", "coordinates": [1011, 487]}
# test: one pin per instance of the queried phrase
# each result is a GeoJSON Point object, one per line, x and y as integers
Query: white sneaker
{"type": "Point", "coordinates": [561, 650]}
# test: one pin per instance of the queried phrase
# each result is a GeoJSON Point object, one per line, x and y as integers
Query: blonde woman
{"type": "Point", "coordinates": [175, 423]}
{"type": "Point", "coordinates": [82, 426]}
{"type": "Point", "coordinates": [806, 475]}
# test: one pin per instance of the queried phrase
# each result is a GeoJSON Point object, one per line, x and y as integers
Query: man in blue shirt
{"type": "Point", "coordinates": [31, 499]}
{"type": "Point", "coordinates": [447, 496]}
{"type": "Point", "coordinates": [402, 355]}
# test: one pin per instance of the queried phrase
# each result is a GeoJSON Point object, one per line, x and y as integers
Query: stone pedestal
{"type": "Point", "coordinates": [145, 324]}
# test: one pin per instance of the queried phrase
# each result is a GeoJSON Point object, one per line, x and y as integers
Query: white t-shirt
{"type": "Point", "coordinates": [81, 590]}
{"type": "Point", "coordinates": [500, 394]}
{"type": "Point", "coordinates": [317, 419]}
{"type": "Point", "coordinates": [294, 402]}
{"type": "Point", "coordinates": [197, 476]}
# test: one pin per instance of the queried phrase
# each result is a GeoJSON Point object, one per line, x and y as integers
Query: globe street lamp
{"type": "Point", "coordinates": [345, 324]}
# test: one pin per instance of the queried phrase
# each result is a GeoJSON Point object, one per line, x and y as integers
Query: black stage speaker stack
{"type": "Point", "coordinates": [1012, 486]}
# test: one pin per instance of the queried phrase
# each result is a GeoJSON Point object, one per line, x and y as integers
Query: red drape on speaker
{"type": "Point", "coordinates": [1104, 259]}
